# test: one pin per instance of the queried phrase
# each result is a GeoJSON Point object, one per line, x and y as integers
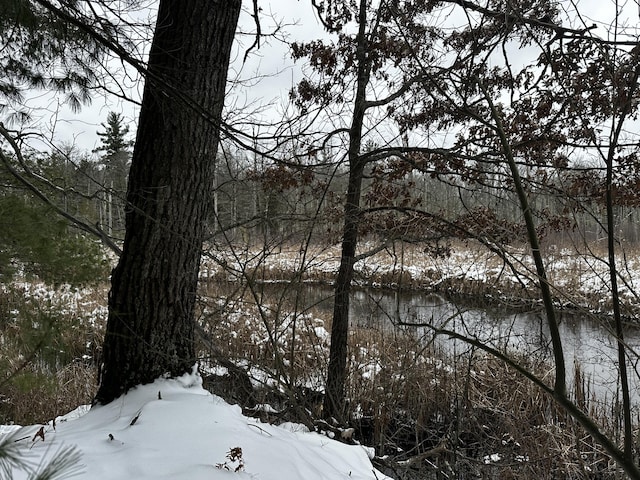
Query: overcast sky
{"type": "Point", "coordinates": [272, 60]}
{"type": "Point", "coordinates": [57, 122]}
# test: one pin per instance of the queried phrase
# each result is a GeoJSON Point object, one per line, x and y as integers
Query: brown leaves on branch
{"type": "Point", "coordinates": [581, 188]}
{"type": "Point", "coordinates": [280, 178]}
{"type": "Point", "coordinates": [234, 462]}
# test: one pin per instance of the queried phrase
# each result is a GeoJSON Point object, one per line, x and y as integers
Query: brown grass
{"type": "Point", "coordinates": [577, 274]}
{"type": "Point", "coordinates": [468, 414]}
{"type": "Point", "coordinates": [36, 395]}
{"type": "Point", "coordinates": [47, 354]}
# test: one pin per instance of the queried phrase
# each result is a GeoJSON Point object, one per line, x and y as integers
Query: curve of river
{"type": "Point", "coordinates": [586, 341]}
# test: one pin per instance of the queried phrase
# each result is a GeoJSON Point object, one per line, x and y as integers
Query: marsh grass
{"type": "Point", "coordinates": [576, 273]}
{"type": "Point", "coordinates": [428, 412]}
{"type": "Point", "coordinates": [47, 350]}
{"type": "Point", "coordinates": [470, 414]}
{"type": "Point", "coordinates": [431, 413]}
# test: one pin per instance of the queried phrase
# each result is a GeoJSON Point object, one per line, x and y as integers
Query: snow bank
{"type": "Point", "coordinates": [174, 429]}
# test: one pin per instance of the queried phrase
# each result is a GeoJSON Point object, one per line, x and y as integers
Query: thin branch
{"type": "Point", "coordinates": [571, 408]}
{"type": "Point", "coordinates": [97, 232]}
{"type": "Point", "coordinates": [256, 40]}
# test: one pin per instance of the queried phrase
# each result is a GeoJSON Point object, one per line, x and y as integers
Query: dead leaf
{"type": "Point", "coordinates": [39, 433]}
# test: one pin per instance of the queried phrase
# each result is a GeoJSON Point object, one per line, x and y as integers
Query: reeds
{"type": "Point", "coordinates": [433, 413]}
{"type": "Point", "coordinates": [423, 408]}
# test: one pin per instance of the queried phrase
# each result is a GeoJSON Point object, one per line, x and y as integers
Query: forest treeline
{"type": "Point", "coordinates": [257, 200]}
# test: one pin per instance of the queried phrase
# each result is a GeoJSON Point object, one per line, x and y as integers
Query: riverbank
{"type": "Point", "coordinates": [578, 279]}
{"type": "Point", "coordinates": [430, 412]}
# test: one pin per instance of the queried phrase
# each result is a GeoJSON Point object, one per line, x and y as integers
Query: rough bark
{"type": "Point", "coordinates": [150, 329]}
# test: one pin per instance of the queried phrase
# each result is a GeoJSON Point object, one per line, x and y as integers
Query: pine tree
{"type": "Point", "coordinates": [151, 324]}
{"type": "Point", "coordinates": [114, 136]}
{"type": "Point", "coordinates": [116, 158]}
{"type": "Point", "coordinates": [50, 47]}
{"type": "Point", "coordinates": [36, 46]}
{"type": "Point", "coordinates": [36, 241]}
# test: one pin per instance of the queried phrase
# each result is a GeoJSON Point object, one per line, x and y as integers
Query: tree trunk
{"type": "Point", "coordinates": [337, 370]}
{"type": "Point", "coordinates": [628, 439]}
{"type": "Point", "coordinates": [150, 328]}
{"type": "Point", "coordinates": [560, 384]}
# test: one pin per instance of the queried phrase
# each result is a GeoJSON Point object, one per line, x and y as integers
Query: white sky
{"type": "Point", "coordinates": [272, 61]}
{"type": "Point", "coordinates": [58, 123]}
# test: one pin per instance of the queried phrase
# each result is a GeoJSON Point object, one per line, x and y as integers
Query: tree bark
{"type": "Point", "coordinates": [150, 328]}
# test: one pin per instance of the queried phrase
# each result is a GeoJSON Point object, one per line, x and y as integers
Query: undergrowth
{"type": "Point", "coordinates": [428, 412]}
{"type": "Point", "coordinates": [47, 351]}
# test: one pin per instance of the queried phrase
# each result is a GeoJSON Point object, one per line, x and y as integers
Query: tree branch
{"type": "Point", "coordinates": [97, 232]}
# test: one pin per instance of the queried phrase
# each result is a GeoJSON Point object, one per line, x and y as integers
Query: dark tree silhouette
{"type": "Point", "coordinates": [114, 136]}
{"type": "Point", "coordinates": [151, 304]}
{"type": "Point", "coordinates": [116, 154]}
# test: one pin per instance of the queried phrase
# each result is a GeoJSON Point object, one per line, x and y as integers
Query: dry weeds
{"type": "Point", "coordinates": [433, 414]}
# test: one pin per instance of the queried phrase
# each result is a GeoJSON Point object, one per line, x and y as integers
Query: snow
{"type": "Point", "coordinates": [174, 429]}
{"type": "Point", "coordinates": [581, 277]}
{"type": "Point", "coordinates": [493, 458]}
{"type": "Point", "coordinates": [181, 431]}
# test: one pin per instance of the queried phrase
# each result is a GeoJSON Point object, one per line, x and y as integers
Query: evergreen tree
{"type": "Point", "coordinates": [114, 136]}
{"type": "Point", "coordinates": [40, 50]}
{"type": "Point", "coordinates": [115, 160]}
{"type": "Point", "coordinates": [36, 241]}
{"type": "Point", "coordinates": [50, 47]}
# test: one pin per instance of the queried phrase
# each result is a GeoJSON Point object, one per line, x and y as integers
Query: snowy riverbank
{"type": "Point", "coordinates": [579, 279]}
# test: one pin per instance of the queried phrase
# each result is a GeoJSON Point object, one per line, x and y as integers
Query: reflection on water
{"type": "Point", "coordinates": [587, 341]}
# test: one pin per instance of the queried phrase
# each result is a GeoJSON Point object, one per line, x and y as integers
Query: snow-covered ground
{"type": "Point", "coordinates": [577, 278]}
{"type": "Point", "coordinates": [174, 429]}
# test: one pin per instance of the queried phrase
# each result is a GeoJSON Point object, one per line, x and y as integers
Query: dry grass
{"type": "Point", "coordinates": [470, 413]}
{"type": "Point", "coordinates": [467, 415]}
{"type": "Point", "coordinates": [36, 395]}
{"type": "Point", "coordinates": [47, 352]}
{"type": "Point", "coordinates": [577, 273]}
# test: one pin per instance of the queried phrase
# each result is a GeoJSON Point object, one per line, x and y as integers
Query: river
{"type": "Point", "coordinates": [587, 340]}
